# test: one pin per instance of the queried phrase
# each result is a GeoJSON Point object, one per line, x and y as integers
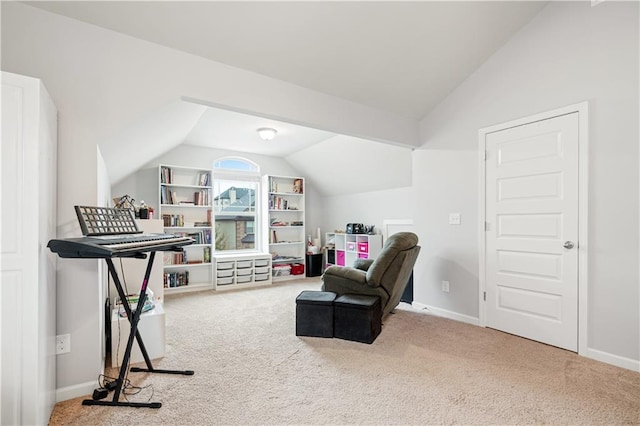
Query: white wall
{"type": "Point", "coordinates": [569, 53]}
{"type": "Point", "coordinates": [103, 81]}
{"type": "Point", "coordinates": [369, 208]}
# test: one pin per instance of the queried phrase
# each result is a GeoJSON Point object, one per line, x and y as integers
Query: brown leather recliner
{"type": "Point", "coordinates": [386, 276]}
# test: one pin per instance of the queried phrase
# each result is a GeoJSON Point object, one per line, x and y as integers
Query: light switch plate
{"type": "Point", "coordinates": [454, 218]}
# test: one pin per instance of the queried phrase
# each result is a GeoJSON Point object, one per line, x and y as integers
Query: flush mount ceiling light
{"type": "Point", "coordinates": [267, 133]}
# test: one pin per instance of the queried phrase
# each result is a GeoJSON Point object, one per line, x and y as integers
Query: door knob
{"type": "Point", "coordinates": [568, 245]}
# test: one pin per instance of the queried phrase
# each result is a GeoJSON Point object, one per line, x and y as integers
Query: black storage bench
{"type": "Point", "coordinates": [357, 317]}
{"type": "Point", "coordinates": [314, 313]}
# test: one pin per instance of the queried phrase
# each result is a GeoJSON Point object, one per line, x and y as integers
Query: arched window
{"type": "Point", "coordinates": [236, 204]}
{"type": "Point", "coordinates": [236, 163]}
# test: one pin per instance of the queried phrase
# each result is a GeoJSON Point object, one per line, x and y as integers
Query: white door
{"type": "Point", "coordinates": [532, 230]}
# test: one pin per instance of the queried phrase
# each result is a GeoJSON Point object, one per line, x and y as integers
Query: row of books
{"type": "Point", "coordinates": [280, 203]}
{"type": "Point", "coordinates": [176, 279]}
{"type": "Point", "coordinates": [200, 237]}
{"type": "Point", "coordinates": [202, 178]}
{"type": "Point", "coordinates": [166, 175]}
{"type": "Point", "coordinates": [295, 187]}
{"type": "Point", "coordinates": [173, 219]}
{"type": "Point", "coordinates": [180, 257]}
{"type": "Point", "coordinates": [177, 220]}
{"type": "Point", "coordinates": [200, 198]}
{"type": "Point", "coordinates": [175, 257]}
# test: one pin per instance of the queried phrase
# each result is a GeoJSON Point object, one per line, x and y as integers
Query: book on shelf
{"type": "Point", "coordinates": [206, 254]}
{"type": "Point", "coordinates": [203, 179]}
{"type": "Point", "coordinates": [176, 279]}
{"type": "Point", "coordinates": [167, 196]}
{"type": "Point", "coordinates": [201, 198]}
{"type": "Point", "coordinates": [166, 175]}
{"type": "Point", "coordinates": [173, 220]}
{"type": "Point", "coordinates": [200, 237]}
{"type": "Point", "coordinates": [175, 258]}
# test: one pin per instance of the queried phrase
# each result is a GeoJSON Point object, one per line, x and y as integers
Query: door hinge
{"type": "Point", "coordinates": [486, 226]}
{"type": "Point", "coordinates": [485, 156]}
{"type": "Point", "coordinates": [484, 296]}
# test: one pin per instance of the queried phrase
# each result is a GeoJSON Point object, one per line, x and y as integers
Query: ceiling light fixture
{"type": "Point", "coordinates": [267, 133]}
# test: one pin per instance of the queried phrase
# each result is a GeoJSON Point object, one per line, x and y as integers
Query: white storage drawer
{"type": "Point", "coordinates": [244, 279]}
{"type": "Point", "coordinates": [262, 270]}
{"type": "Point", "coordinates": [225, 273]}
{"type": "Point", "coordinates": [225, 281]}
{"type": "Point", "coordinates": [262, 262]}
{"type": "Point", "coordinates": [262, 277]}
{"type": "Point", "coordinates": [224, 265]}
{"type": "Point", "coordinates": [242, 272]}
{"type": "Point", "coordinates": [241, 264]}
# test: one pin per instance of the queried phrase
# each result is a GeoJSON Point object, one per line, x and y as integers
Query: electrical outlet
{"type": "Point", "coordinates": [63, 344]}
{"type": "Point", "coordinates": [445, 286]}
{"type": "Point", "coordinates": [454, 218]}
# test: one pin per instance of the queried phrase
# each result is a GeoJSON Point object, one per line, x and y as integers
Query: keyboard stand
{"type": "Point", "coordinates": [133, 318]}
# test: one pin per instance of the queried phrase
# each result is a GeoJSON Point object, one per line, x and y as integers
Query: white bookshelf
{"type": "Point", "coordinates": [284, 224]}
{"type": "Point", "coordinates": [185, 195]}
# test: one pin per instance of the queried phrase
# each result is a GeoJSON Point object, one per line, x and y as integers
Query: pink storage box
{"type": "Point", "coordinates": [340, 258]}
{"type": "Point", "coordinates": [363, 255]}
{"type": "Point", "coordinates": [363, 247]}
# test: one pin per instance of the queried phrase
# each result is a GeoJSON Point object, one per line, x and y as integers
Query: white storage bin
{"type": "Point", "coordinates": [262, 270]}
{"type": "Point", "coordinates": [224, 274]}
{"type": "Point", "coordinates": [225, 281]}
{"type": "Point", "coordinates": [244, 279]}
{"type": "Point", "coordinates": [262, 262]}
{"type": "Point", "coordinates": [224, 265]}
{"type": "Point", "coordinates": [262, 277]}
{"type": "Point", "coordinates": [281, 271]}
{"type": "Point", "coordinates": [244, 264]}
{"type": "Point", "coordinates": [246, 271]}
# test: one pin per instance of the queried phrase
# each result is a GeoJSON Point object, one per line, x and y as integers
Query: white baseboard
{"type": "Point", "coordinates": [618, 361]}
{"type": "Point", "coordinates": [447, 314]}
{"type": "Point", "coordinates": [70, 392]}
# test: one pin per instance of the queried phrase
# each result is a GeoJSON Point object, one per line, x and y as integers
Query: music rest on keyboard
{"type": "Point", "coordinates": [117, 245]}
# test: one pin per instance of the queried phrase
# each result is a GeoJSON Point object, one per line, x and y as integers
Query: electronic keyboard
{"type": "Point", "coordinates": [108, 233]}
{"type": "Point", "coordinates": [107, 246]}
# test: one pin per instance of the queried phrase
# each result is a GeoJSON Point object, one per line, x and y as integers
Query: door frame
{"type": "Point", "coordinates": [583, 184]}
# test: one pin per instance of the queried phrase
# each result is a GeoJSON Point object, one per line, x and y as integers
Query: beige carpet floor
{"type": "Point", "coordinates": [251, 369]}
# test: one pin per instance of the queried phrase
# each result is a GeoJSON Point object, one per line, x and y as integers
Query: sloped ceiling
{"type": "Point", "coordinates": [398, 57]}
{"type": "Point", "coordinates": [348, 165]}
{"type": "Point", "coordinates": [150, 137]}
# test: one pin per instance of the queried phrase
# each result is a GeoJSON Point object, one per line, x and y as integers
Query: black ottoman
{"type": "Point", "coordinates": [357, 317]}
{"type": "Point", "coordinates": [314, 313]}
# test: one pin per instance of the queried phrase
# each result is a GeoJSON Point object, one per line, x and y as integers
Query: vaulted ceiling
{"type": "Point", "coordinates": [399, 57]}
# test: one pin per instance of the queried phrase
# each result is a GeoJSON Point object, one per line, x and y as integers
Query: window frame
{"type": "Point", "coordinates": [249, 176]}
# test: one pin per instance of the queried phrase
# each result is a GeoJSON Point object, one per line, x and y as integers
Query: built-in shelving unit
{"type": "Point", "coordinates": [241, 270]}
{"type": "Point", "coordinates": [344, 249]}
{"type": "Point", "coordinates": [284, 222]}
{"type": "Point", "coordinates": [186, 208]}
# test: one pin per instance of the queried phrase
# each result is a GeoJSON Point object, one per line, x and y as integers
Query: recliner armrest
{"type": "Point", "coordinates": [363, 264]}
{"type": "Point", "coordinates": [346, 272]}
